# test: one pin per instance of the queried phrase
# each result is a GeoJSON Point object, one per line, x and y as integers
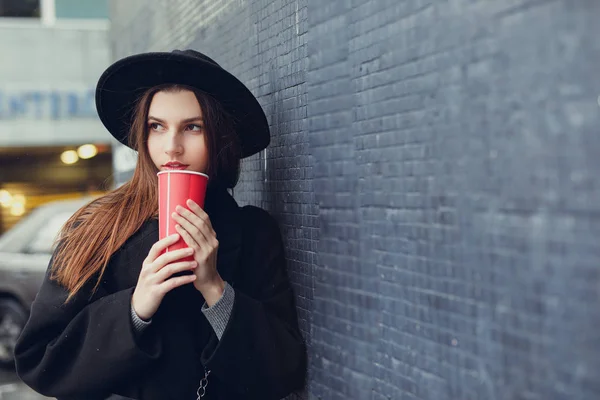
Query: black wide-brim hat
{"type": "Point", "coordinates": [122, 84]}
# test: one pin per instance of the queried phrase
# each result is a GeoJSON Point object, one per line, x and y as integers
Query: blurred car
{"type": "Point", "coordinates": [25, 251]}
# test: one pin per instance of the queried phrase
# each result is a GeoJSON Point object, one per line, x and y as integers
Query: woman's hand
{"type": "Point", "coordinates": [155, 277]}
{"type": "Point", "coordinates": [196, 230]}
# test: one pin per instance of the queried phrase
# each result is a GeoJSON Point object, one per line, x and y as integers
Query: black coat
{"type": "Point", "coordinates": [87, 349]}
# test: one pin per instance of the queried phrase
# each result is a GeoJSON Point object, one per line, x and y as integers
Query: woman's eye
{"type": "Point", "coordinates": [155, 126]}
{"type": "Point", "coordinates": [194, 127]}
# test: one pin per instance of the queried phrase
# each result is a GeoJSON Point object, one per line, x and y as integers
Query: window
{"type": "Point", "coordinates": [44, 239]}
{"type": "Point", "coordinates": [81, 9]}
{"type": "Point", "coordinates": [51, 10]}
{"type": "Point", "coordinates": [20, 8]}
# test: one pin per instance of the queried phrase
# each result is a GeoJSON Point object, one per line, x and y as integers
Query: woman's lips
{"type": "Point", "coordinates": [175, 166]}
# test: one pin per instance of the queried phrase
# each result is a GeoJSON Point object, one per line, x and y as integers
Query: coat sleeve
{"type": "Point", "coordinates": [82, 347]}
{"type": "Point", "coordinates": [261, 353]}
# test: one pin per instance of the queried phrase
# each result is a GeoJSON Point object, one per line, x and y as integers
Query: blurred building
{"type": "Point", "coordinates": [53, 52]}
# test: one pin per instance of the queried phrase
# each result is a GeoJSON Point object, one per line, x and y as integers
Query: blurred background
{"type": "Point", "coordinates": [52, 144]}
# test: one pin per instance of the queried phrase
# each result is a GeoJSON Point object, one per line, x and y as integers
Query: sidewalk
{"type": "Point", "coordinates": [18, 391]}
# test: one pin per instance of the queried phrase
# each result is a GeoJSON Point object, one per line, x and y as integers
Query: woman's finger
{"type": "Point", "coordinates": [176, 281]}
{"type": "Point", "coordinates": [190, 216]}
{"type": "Point", "coordinates": [188, 238]}
{"type": "Point", "coordinates": [199, 212]}
{"type": "Point", "coordinates": [170, 257]}
{"type": "Point", "coordinates": [194, 230]}
{"type": "Point", "coordinates": [199, 218]}
{"type": "Point", "coordinates": [164, 273]}
{"type": "Point", "coordinates": [159, 246]}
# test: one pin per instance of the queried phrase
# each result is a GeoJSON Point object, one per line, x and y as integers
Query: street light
{"type": "Point", "coordinates": [87, 151]}
{"type": "Point", "coordinates": [17, 206]}
{"type": "Point", "coordinates": [6, 198]}
{"type": "Point", "coordinates": [17, 209]}
{"type": "Point", "coordinates": [69, 157]}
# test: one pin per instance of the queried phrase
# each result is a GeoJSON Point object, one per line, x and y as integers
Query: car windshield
{"type": "Point", "coordinates": [43, 241]}
{"type": "Point", "coordinates": [36, 232]}
{"type": "Point", "coordinates": [12, 240]}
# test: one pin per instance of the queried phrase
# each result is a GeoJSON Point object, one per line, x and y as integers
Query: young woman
{"type": "Point", "coordinates": [116, 318]}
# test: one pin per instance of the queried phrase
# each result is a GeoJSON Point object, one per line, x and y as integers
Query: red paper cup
{"type": "Point", "coordinates": [175, 188]}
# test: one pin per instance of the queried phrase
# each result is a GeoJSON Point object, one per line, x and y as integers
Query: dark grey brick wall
{"type": "Point", "coordinates": [434, 167]}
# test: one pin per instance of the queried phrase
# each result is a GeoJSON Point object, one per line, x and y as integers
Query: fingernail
{"type": "Point", "coordinates": [173, 236]}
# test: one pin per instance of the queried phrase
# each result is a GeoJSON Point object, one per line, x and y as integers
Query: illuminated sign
{"type": "Point", "coordinates": [47, 104]}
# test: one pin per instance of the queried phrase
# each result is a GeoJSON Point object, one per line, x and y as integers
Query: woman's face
{"type": "Point", "coordinates": [177, 138]}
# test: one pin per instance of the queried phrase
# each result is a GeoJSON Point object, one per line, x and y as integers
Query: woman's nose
{"type": "Point", "coordinates": [173, 146]}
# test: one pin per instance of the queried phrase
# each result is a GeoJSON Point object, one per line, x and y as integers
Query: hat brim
{"type": "Point", "coordinates": [122, 84]}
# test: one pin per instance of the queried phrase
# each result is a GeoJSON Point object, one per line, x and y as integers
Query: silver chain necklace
{"type": "Point", "coordinates": [203, 384]}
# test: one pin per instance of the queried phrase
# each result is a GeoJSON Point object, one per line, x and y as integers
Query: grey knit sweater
{"type": "Point", "coordinates": [217, 315]}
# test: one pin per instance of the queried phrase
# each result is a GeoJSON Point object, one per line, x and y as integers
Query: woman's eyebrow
{"type": "Point", "coordinates": [183, 121]}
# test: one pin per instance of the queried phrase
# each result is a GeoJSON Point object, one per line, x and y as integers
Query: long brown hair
{"type": "Point", "coordinates": [91, 236]}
